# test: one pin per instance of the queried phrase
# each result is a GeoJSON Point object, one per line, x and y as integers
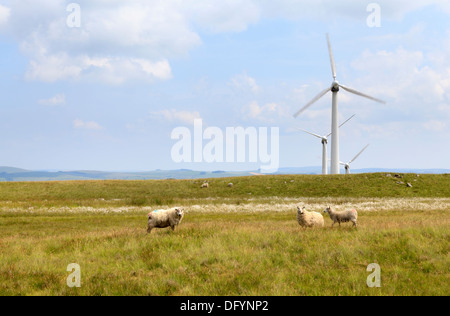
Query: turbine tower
{"type": "Point", "coordinates": [347, 165]}
{"type": "Point", "coordinates": [324, 140]}
{"type": "Point", "coordinates": [335, 88]}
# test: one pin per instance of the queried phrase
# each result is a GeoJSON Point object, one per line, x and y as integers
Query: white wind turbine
{"type": "Point", "coordinates": [335, 87]}
{"type": "Point", "coordinates": [324, 140]}
{"type": "Point", "coordinates": [347, 165]}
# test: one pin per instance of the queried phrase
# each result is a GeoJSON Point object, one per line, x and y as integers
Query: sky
{"type": "Point", "coordinates": [102, 85]}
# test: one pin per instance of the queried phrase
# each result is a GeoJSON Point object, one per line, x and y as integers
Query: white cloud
{"type": "Point", "coordinates": [79, 124]}
{"type": "Point", "coordinates": [435, 126]}
{"type": "Point", "coordinates": [59, 99]}
{"type": "Point", "coordinates": [266, 113]}
{"type": "Point", "coordinates": [160, 69]}
{"type": "Point", "coordinates": [109, 70]}
{"type": "Point", "coordinates": [53, 68]}
{"type": "Point", "coordinates": [254, 110]}
{"type": "Point", "coordinates": [244, 83]}
{"type": "Point", "coordinates": [117, 41]}
{"type": "Point", "coordinates": [406, 79]}
{"type": "Point", "coordinates": [135, 39]}
{"type": "Point", "coordinates": [4, 14]}
{"type": "Point", "coordinates": [173, 115]}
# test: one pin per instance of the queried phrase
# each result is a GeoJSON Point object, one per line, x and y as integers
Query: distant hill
{"type": "Point", "coordinates": [318, 170]}
{"type": "Point", "coordinates": [17, 174]}
{"type": "Point", "coordinates": [11, 170]}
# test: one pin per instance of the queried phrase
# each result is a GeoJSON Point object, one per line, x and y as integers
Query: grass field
{"type": "Point", "coordinates": [233, 241]}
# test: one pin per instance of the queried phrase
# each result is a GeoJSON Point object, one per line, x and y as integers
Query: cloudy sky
{"type": "Point", "coordinates": [105, 91]}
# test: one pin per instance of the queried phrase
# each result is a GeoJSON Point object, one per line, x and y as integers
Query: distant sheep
{"type": "Point", "coordinates": [165, 218]}
{"type": "Point", "coordinates": [205, 185]}
{"type": "Point", "coordinates": [230, 185]}
{"type": "Point", "coordinates": [309, 219]}
{"type": "Point", "coordinates": [342, 217]}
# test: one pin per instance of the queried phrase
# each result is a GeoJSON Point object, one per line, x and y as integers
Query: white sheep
{"type": "Point", "coordinates": [342, 216]}
{"type": "Point", "coordinates": [165, 218]}
{"type": "Point", "coordinates": [309, 219]}
{"type": "Point", "coordinates": [205, 185]}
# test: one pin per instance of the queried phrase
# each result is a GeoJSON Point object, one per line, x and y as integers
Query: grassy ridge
{"type": "Point", "coordinates": [166, 192]}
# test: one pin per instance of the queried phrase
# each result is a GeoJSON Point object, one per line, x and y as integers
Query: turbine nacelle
{"type": "Point", "coordinates": [335, 86]}
{"type": "Point", "coordinates": [347, 165]}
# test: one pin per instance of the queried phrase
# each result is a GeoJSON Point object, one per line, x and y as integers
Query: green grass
{"type": "Point", "coordinates": [44, 228]}
{"type": "Point", "coordinates": [223, 254]}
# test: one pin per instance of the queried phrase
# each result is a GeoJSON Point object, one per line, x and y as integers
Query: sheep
{"type": "Point", "coordinates": [205, 185]}
{"type": "Point", "coordinates": [230, 185]}
{"type": "Point", "coordinates": [309, 219]}
{"type": "Point", "coordinates": [342, 216]}
{"type": "Point", "coordinates": [165, 218]}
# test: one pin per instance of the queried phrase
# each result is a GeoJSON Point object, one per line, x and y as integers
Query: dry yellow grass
{"type": "Point", "coordinates": [272, 204]}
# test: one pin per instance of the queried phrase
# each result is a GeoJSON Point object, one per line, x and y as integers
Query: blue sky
{"type": "Point", "coordinates": [107, 95]}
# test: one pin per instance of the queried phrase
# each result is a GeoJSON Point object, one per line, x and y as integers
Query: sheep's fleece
{"type": "Point", "coordinates": [165, 218]}
{"type": "Point", "coordinates": [342, 216]}
{"type": "Point", "coordinates": [309, 219]}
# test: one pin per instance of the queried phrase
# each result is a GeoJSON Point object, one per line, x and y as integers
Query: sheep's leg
{"type": "Point", "coordinates": [149, 229]}
{"type": "Point", "coordinates": [173, 227]}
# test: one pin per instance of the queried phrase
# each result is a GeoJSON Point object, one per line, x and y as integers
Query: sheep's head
{"type": "Point", "coordinates": [327, 210]}
{"type": "Point", "coordinates": [180, 212]}
{"type": "Point", "coordinates": [300, 210]}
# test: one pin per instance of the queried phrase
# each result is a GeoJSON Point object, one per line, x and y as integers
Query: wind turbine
{"type": "Point", "coordinates": [324, 146]}
{"type": "Point", "coordinates": [347, 165]}
{"type": "Point", "coordinates": [335, 87]}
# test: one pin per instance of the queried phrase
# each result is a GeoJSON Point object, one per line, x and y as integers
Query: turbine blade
{"type": "Point", "coordinates": [347, 120]}
{"type": "Point", "coordinates": [358, 154]}
{"type": "Point", "coordinates": [361, 94]}
{"type": "Point", "coordinates": [312, 101]}
{"type": "Point", "coordinates": [318, 136]}
{"type": "Point", "coordinates": [343, 124]}
{"type": "Point", "coordinates": [333, 64]}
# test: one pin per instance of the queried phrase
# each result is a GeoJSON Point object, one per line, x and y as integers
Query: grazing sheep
{"type": "Point", "coordinates": [165, 218]}
{"type": "Point", "coordinates": [343, 216]}
{"type": "Point", "coordinates": [309, 219]}
{"type": "Point", "coordinates": [230, 185]}
{"type": "Point", "coordinates": [205, 185]}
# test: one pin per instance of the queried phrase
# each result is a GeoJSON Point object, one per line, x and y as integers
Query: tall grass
{"type": "Point", "coordinates": [224, 254]}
